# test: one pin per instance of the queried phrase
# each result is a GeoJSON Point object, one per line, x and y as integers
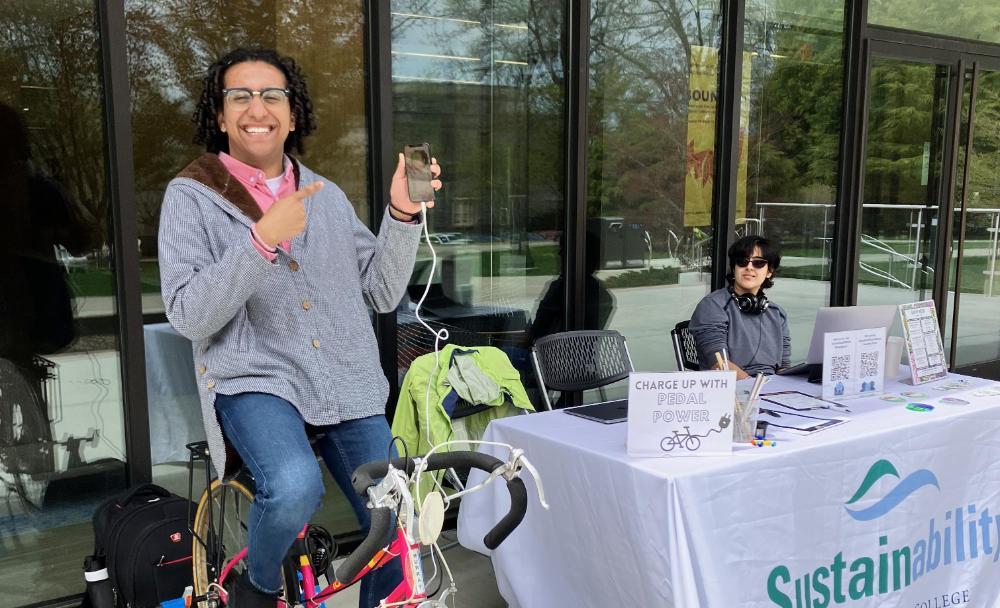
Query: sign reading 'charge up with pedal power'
{"type": "Point", "coordinates": [681, 413]}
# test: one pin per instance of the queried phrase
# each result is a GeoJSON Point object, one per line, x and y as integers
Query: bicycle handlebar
{"type": "Point", "coordinates": [366, 475]}
{"type": "Point", "coordinates": [378, 537]}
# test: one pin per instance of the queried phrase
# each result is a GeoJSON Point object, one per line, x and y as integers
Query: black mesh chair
{"type": "Point", "coordinates": [574, 361]}
{"type": "Point", "coordinates": [685, 348]}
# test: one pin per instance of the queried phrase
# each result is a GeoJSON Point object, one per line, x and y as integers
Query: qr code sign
{"type": "Point", "coordinates": [869, 364]}
{"type": "Point", "coordinates": [840, 368]}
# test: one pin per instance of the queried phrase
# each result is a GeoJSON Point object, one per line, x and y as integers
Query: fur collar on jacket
{"type": "Point", "coordinates": [207, 169]}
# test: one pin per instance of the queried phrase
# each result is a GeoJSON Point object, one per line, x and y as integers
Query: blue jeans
{"type": "Point", "coordinates": [270, 436]}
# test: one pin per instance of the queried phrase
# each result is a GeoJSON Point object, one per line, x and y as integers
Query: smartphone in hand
{"type": "Point", "coordinates": [418, 172]}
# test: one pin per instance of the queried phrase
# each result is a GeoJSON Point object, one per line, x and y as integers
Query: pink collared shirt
{"type": "Point", "coordinates": [254, 180]}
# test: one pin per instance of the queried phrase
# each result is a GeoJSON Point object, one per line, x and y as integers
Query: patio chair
{"type": "Point", "coordinates": [685, 348]}
{"type": "Point", "coordinates": [575, 361]}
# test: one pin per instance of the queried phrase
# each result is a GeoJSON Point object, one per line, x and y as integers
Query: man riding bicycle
{"type": "Point", "coordinates": [267, 269]}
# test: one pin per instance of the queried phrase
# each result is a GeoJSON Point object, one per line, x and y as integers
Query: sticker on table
{"type": "Point", "coordinates": [952, 385]}
{"type": "Point", "coordinates": [989, 391]}
{"type": "Point", "coordinates": [892, 398]}
{"type": "Point", "coordinates": [953, 401]}
{"type": "Point", "coordinates": [919, 407]}
{"type": "Point", "coordinates": [913, 394]}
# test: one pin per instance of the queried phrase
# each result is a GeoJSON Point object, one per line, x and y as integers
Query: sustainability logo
{"type": "Point", "coordinates": [913, 482]}
{"type": "Point", "coordinates": [964, 533]}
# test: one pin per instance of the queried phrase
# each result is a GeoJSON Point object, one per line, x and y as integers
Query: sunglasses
{"type": "Point", "coordinates": [757, 263]}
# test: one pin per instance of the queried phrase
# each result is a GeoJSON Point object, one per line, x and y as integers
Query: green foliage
{"type": "Point", "coordinates": [973, 19]}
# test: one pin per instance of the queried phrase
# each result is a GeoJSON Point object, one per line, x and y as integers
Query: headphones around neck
{"type": "Point", "coordinates": [750, 303]}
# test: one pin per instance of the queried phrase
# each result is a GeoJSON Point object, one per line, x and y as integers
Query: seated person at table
{"type": "Point", "coordinates": [739, 318]}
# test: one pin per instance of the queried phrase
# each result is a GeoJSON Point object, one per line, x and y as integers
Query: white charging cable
{"type": "Point", "coordinates": [439, 335]}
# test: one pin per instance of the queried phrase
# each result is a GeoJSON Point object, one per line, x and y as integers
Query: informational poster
{"type": "Point", "coordinates": [681, 413]}
{"type": "Point", "coordinates": [923, 341]}
{"type": "Point", "coordinates": [853, 363]}
{"type": "Point", "coordinates": [702, 105]}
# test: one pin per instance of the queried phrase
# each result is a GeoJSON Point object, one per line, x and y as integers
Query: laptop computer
{"type": "Point", "coordinates": [840, 318]}
{"type": "Point", "coordinates": [606, 412]}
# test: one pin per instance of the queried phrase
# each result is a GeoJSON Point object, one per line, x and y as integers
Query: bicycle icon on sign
{"type": "Point", "coordinates": [689, 441]}
{"type": "Point", "coordinates": [681, 440]}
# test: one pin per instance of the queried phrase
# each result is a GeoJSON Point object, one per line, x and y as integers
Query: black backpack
{"type": "Point", "coordinates": [144, 537]}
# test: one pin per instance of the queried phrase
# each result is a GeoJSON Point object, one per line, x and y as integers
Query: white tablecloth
{"type": "Point", "coordinates": [747, 529]}
{"type": "Point", "coordinates": [174, 407]}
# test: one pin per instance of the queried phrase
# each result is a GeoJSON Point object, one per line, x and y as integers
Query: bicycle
{"type": "Point", "coordinates": [312, 553]}
{"type": "Point", "coordinates": [26, 445]}
{"type": "Point", "coordinates": [685, 440]}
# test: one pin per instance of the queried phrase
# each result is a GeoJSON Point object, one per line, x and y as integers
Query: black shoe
{"type": "Point", "coordinates": [242, 594]}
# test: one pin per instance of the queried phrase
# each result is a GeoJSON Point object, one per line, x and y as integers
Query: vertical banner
{"type": "Point", "coordinates": [700, 167]}
{"type": "Point", "coordinates": [702, 96]}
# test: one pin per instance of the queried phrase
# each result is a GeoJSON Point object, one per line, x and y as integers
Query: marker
{"type": "Point", "coordinates": [764, 442]}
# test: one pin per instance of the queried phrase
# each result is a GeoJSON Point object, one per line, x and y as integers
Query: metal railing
{"type": "Point", "coordinates": [914, 228]}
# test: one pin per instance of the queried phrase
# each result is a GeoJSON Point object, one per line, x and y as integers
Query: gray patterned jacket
{"type": "Point", "coordinates": [297, 328]}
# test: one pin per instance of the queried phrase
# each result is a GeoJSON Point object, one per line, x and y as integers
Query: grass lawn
{"type": "Point", "coordinates": [532, 262]}
{"type": "Point", "coordinates": [101, 282]}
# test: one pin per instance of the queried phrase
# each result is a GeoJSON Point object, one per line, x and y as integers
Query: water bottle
{"type": "Point", "coordinates": [99, 590]}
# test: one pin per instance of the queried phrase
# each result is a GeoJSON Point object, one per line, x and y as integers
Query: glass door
{"type": "Point", "coordinates": [930, 208]}
{"type": "Point", "coordinates": [974, 328]}
{"type": "Point", "coordinates": [906, 153]}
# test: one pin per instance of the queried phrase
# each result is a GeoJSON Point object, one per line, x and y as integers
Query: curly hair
{"type": "Point", "coordinates": [206, 115]}
{"type": "Point", "coordinates": [743, 249]}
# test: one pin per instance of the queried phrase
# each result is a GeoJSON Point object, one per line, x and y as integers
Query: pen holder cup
{"type": "Point", "coordinates": [744, 417]}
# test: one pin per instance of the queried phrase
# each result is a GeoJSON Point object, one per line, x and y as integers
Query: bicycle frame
{"type": "Point", "coordinates": [410, 591]}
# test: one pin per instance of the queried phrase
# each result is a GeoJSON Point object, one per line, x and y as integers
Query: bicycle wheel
{"type": "Point", "coordinates": [219, 529]}
{"type": "Point", "coordinates": [671, 443]}
{"type": "Point", "coordinates": [227, 507]}
{"type": "Point", "coordinates": [26, 455]}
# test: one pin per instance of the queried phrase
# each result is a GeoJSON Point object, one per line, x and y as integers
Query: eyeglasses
{"type": "Point", "coordinates": [757, 263]}
{"type": "Point", "coordinates": [240, 97]}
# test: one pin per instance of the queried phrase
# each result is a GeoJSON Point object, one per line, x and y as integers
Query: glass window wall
{"type": "Point", "coordinates": [483, 82]}
{"type": "Point", "coordinates": [650, 163]}
{"type": "Point", "coordinates": [62, 448]}
{"type": "Point", "coordinates": [790, 134]}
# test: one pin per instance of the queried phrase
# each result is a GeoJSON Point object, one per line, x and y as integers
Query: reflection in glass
{"type": "Point", "coordinates": [978, 322]}
{"type": "Point", "coordinates": [973, 19]}
{"type": "Point", "coordinates": [902, 190]}
{"type": "Point", "coordinates": [61, 431]}
{"type": "Point", "coordinates": [650, 154]}
{"type": "Point", "coordinates": [483, 82]}
{"type": "Point", "coordinates": [793, 71]}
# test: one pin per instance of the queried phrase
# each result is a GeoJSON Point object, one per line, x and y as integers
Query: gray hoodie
{"type": "Point", "coordinates": [755, 342]}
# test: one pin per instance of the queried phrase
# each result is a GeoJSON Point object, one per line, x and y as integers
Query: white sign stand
{"type": "Point", "coordinates": [681, 413]}
{"type": "Point", "coordinates": [853, 363]}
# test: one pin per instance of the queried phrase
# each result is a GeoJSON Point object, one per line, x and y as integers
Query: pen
{"type": "Point", "coordinates": [755, 391]}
